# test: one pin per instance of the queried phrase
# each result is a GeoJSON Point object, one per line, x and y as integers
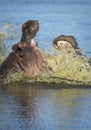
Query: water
{"type": "Point", "coordinates": [29, 107]}
{"type": "Point", "coordinates": [69, 17]}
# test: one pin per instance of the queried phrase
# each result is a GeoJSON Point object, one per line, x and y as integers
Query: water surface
{"type": "Point", "coordinates": [28, 107]}
{"type": "Point", "coordinates": [69, 17]}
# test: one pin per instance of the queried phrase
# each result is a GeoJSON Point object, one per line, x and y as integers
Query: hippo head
{"type": "Point", "coordinates": [29, 30]}
{"type": "Point", "coordinates": [65, 42]}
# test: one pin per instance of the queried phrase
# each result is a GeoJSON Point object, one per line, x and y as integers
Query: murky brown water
{"type": "Point", "coordinates": [28, 107]}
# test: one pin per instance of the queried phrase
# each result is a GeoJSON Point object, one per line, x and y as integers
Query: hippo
{"type": "Point", "coordinates": [68, 43]}
{"type": "Point", "coordinates": [64, 41]}
{"type": "Point", "coordinates": [25, 55]}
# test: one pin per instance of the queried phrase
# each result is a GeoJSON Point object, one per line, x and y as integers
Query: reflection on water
{"type": "Point", "coordinates": [26, 107]}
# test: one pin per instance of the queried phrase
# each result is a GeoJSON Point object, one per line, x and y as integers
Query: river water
{"type": "Point", "coordinates": [25, 107]}
{"type": "Point", "coordinates": [68, 17]}
{"type": "Point", "coordinates": [28, 107]}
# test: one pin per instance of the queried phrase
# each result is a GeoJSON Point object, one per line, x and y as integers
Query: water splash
{"type": "Point", "coordinates": [68, 68]}
{"type": "Point", "coordinates": [7, 32]}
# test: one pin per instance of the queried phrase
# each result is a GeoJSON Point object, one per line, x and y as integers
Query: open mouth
{"type": "Point", "coordinates": [62, 44]}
